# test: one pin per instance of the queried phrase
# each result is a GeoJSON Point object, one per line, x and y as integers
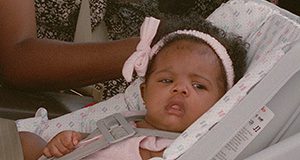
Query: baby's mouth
{"type": "Point", "coordinates": [175, 109]}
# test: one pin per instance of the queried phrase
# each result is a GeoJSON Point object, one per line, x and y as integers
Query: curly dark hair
{"type": "Point", "coordinates": [179, 7]}
{"type": "Point", "coordinates": [235, 46]}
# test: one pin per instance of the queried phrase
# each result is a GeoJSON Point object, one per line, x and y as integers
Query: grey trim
{"type": "Point", "coordinates": [279, 91]}
{"type": "Point", "coordinates": [288, 149]}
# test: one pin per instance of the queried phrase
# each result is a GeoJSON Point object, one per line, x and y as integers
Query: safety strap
{"type": "Point", "coordinates": [113, 129]}
{"type": "Point", "coordinates": [83, 32]}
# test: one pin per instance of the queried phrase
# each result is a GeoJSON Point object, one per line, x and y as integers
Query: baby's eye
{"type": "Point", "coordinates": [166, 81]}
{"type": "Point", "coordinates": [199, 86]}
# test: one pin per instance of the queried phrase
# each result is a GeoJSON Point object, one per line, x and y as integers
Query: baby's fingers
{"type": "Point", "coordinates": [63, 149]}
{"type": "Point", "coordinates": [55, 150]}
{"type": "Point", "coordinates": [71, 141]}
{"type": "Point", "coordinates": [68, 142]}
{"type": "Point", "coordinates": [52, 151]}
{"type": "Point", "coordinates": [76, 137]}
{"type": "Point", "coordinates": [46, 152]}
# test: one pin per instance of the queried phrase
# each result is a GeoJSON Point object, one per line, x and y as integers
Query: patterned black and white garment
{"type": "Point", "coordinates": [56, 19]}
{"type": "Point", "coordinates": [123, 18]}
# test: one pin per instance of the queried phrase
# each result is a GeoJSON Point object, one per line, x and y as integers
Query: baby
{"type": "Point", "coordinates": [186, 72]}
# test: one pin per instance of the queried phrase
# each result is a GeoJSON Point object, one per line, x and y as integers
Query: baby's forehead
{"type": "Point", "coordinates": [187, 53]}
{"type": "Point", "coordinates": [184, 47]}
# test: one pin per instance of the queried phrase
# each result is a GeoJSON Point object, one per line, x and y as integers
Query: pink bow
{"type": "Point", "coordinates": [138, 61]}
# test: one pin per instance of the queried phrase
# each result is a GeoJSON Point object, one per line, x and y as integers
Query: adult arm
{"type": "Point", "coordinates": [27, 62]}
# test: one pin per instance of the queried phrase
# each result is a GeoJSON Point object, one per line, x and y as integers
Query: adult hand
{"type": "Point", "coordinates": [27, 62]}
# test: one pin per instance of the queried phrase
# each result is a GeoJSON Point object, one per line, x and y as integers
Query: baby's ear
{"type": "Point", "coordinates": [142, 88]}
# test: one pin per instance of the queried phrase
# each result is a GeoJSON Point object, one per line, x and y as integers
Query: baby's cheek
{"type": "Point", "coordinates": [196, 113]}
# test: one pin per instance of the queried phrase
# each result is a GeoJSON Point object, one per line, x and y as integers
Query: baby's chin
{"type": "Point", "coordinates": [173, 128]}
{"type": "Point", "coordinates": [172, 125]}
{"type": "Point", "coordinates": [176, 126]}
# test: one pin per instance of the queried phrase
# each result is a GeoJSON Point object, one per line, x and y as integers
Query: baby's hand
{"type": "Point", "coordinates": [63, 143]}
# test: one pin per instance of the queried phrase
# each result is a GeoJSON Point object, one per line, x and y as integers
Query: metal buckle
{"type": "Point", "coordinates": [115, 128]}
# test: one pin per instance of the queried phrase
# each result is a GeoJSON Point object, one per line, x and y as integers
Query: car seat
{"type": "Point", "coordinates": [267, 96]}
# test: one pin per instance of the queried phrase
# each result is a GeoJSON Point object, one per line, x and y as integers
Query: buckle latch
{"type": "Point", "coordinates": [115, 128]}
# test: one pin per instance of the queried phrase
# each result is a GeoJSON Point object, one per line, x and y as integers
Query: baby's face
{"type": "Point", "coordinates": [185, 81]}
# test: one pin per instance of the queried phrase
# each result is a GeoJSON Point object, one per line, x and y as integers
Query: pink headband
{"type": "Point", "coordinates": [138, 61]}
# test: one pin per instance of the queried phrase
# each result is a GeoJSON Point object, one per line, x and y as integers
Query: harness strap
{"type": "Point", "coordinates": [113, 129]}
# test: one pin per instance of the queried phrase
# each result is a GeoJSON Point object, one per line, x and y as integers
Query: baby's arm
{"type": "Point", "coordinates": [63, 143]}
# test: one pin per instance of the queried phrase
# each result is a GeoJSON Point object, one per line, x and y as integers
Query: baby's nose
{"type": "Point", "coordinates": [181, 88]}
